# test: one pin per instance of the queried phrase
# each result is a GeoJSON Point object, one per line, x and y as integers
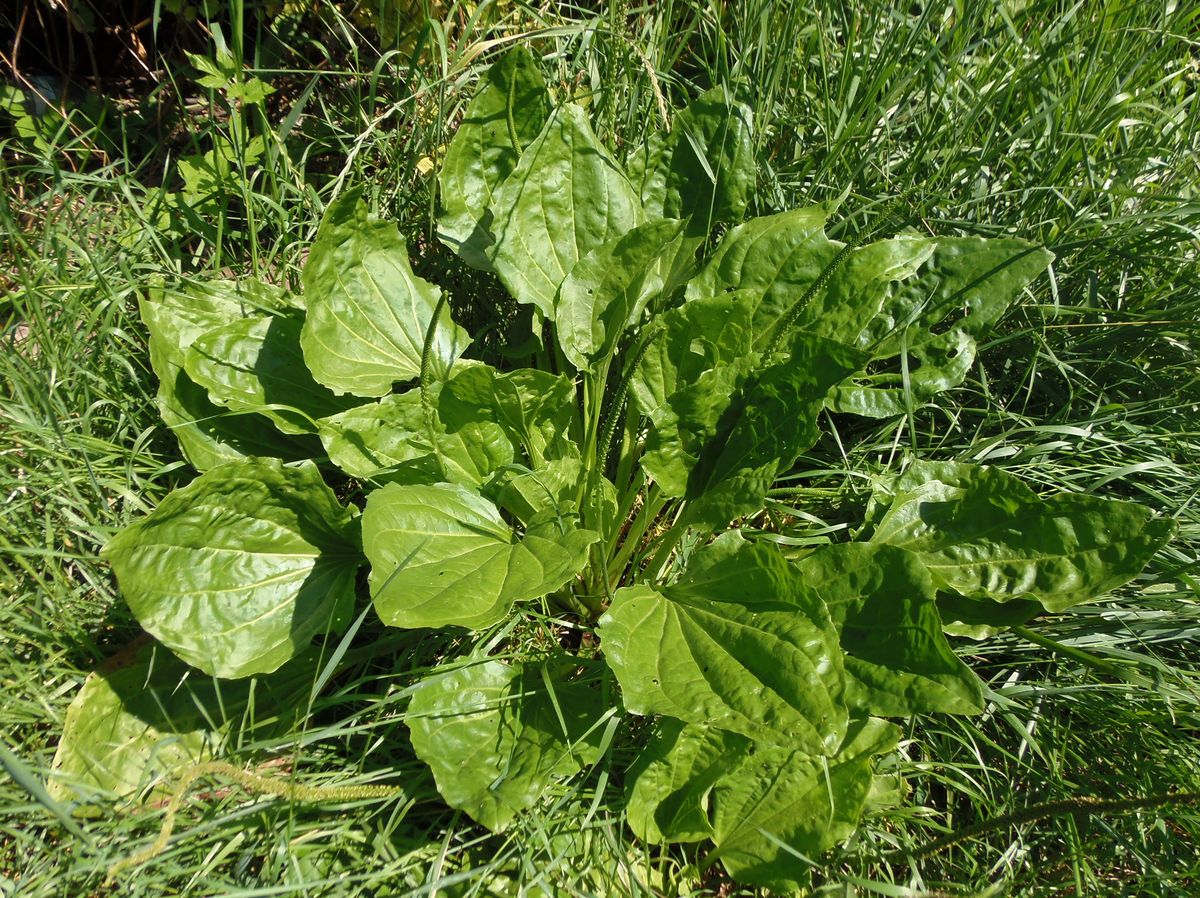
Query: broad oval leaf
{"type": "Point", "coordinates": [981, 618]}
{"type": "Point", "coordinates": [529, 493]}
{"type": "Point", "coordinates": [721, 441]}
{"type": "Point", "coordinates": [368, 314]}
{"type": "Point", "coordinates": [535, 408]}
{"type": "Point", "coordinates": [771, 420]}
{"type": "Point", "coordinates": [733, 569]}
{"type": "Point", "coordinates": [969, 280]}
{"type": "Point", "coordinates": [209, 435]}
{"type": "Point", "coordinates": [708, 334]}
{"type": "Point", "coordinates": [670, 783]}
{"type": "Point", "coordinates": [565, 198]}
{"type": "Point", "coordinates": [607, 289]}
{"type": "Point", "coordinates": [765, 806]}
{"type": "Point", "coordinates": [497, 736]}
{"type": "Point", "coordinates": [984, 534]}
{"type": "Point", "coordinates": [897, 659]}
{"type": "Point", "coordinates": [503, 118]}
{"type": "Point", "coordinates": [238, 571]}
{"type": "Point", "coordinates": [781, 805]}
{"type": "Point", "coordinates": [860, 284]}
{"type": "Point", "coordinates": [767, 666]}
{"type": "Point", "coordinates": [935, 318]}
{"type": "Point", "coordinates": [772, 260]}
{"type": "Point", "coordinates": [704, 170]}
{"type": "Point", "coordinates": [256, 365]}
{"type": "Point", "coordinates": [395, 440]}
{"type": "Point", "coordinates": [145, 715]}
{"type": "Point", "coordinates": [442, 556]}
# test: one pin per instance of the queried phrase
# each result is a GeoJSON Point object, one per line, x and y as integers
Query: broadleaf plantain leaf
{"type": "Point", "coordinates": [770, 261]}
{"type": "Point", "coordinates": [390, 441]}
{"type": "Point", "coordinates": [608, 288]}
{"type": "Point", "coordinates": [534, 407]}
{"type": "Point", "coordinates": [767, 807]}
{"type": "Point", "coordinates": [756, 655]}
{"type": "Point", "coordinates": [981, 618]}
{"type": "Point", "coordinates": [782, 805]}
{"type": "Point", "coordinates": [704, 170]}
{"type": "Point", "coordinates": [505, 116]}
{"type": "Point", "coordinates": [860, 284]}
{"type": "Point", "coordinates": [770, 421]}
{"type": "Point", "coordinates": [368, 314]}
{"type": "Point", "coordinates": [237, 571]}
{"type": "Point", "coordinates": [699, 336]}
{"type": "Point", "coordinates": [727, 421]}
{"type": "Point", "coordinates": [498, 735]}
{"type": "Point", "coordinates": [722, 439]}
{"type": "Point", "coordinates": [442, 556]}
{"type": "Point", "coordinates": [209, 435]}
{"type": "Point", "coordinates": [897, 660]}
{"type": "Point", "coordinates": [670, 783]}
{"type": "Point", "coordinates": [984, 534]}
{"type": "Point", "coordinates": [145, 715]}
{"type": "Point", "coordinates": [256, 365]}
{"type": "Point", "coordinates": [935, 319]}
{"type": "Point", "coordinates": [565, 198]}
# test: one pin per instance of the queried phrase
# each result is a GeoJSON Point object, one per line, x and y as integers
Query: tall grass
{"type": "Point", "coordinates": [1072, 124]}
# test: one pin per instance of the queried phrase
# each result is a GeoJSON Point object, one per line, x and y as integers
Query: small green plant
{"type": "Point", "coordinates": [218, 200]}
{"type": "Point", "coordinates": [47, 126]}
{"type": "Point", "coordinates": [602, 486]}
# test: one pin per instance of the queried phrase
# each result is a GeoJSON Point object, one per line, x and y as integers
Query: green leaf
{"type": "Point", "coordinates": [144, 715]}
{"type": "Point", "coordinates": [527, 493]}
{"type": "Point", "coordinates": [770, 423]}
{"type": "Point", "coordinates": [981, 618]}
{"type": "Point", "coordinates": [647, 168]}
{"type": "Point", "coordinates": [935, 319]}
{"type": "Point", "coordinates": [704, 170]}
{"type": "Point", "coordinates": [565, 198]}
{"type": "Point", "coordinates": [442, 556]}
{"type": "Point", "coordinates": [534, 407]}
{"type": "Point", "coordinates": [238, 571]}
{"type": "Point", "coordinates": [761, 804]}
{"type": "Point", "coordinates": [669, 785]}
{"type": "Point", "coordinates": [218, 73]}
{"type": "Point", "coordinates": [211, 176]}
{"type": "Point", "coordinates": [700, 336]}
{"type": "Point", "coordinates": [390, 441]}
{"type": "Point", "coordinates": [781, 803]}
{"type": "Point", "coordinates": [723, 440]}
{"type": "Point", "coordinates": [897, 660]}
{"type": "Point", "coordinates": [772, 260]}
{"type": "Point", "coordinates": [732, 569]}
{"type": "Point", "coordinates": [722, 434]}
{"type": "Point", "coordinates": [368, 314]}
{"type": "Point", "coordinates": [608, 289]}
{"type": "Point", "coordinates": [859, 286]}
{"type": "Point", "coordinates": [251, 91]}
{"type": "Point", "coordinates": [497, 736]}
{"type": "Point", "coordinates": [985, 535]}
{"type": "Point", "coordinates": [209, 435]}
{"type": "Point", "coordinates": [504, 118]}
{"type": "Point", "coordinates": [756, 656]}
{"type": "Point", "coordinates": [255, 365]}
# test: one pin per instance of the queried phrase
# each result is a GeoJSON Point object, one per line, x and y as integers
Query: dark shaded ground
{"type": "Point", "coordinates": [90, 44]}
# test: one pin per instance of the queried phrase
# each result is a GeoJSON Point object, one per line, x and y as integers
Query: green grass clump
{"type": "Point", "coordinates": [1073, 125]}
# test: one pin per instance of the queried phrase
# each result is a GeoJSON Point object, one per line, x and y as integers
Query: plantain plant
{"type": "Point", "coordinates": [670, 386]}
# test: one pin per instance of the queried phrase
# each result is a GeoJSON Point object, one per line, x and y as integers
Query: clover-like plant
{"type": "Point", "coordinates": [674, 385]}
